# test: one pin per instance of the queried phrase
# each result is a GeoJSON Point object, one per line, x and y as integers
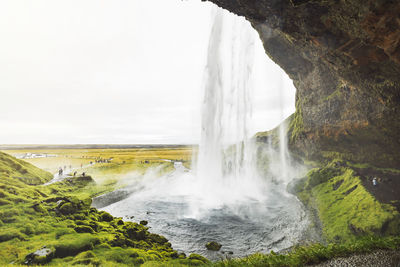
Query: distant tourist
{"type": "Point", "coordinates": [374, 181]}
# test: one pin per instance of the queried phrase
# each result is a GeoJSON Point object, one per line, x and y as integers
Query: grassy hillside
{"type": "Point", "coordinates": [12, 168]}
{"type": "Point", "coordinates": [57, 222]}
{"type": "Point", "coordinates": [55, 225]}
{"type": "Point", "coordinates": [345, 207]}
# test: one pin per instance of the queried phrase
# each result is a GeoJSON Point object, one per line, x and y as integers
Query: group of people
{"type": "Point", "coordinates": [61, 171]}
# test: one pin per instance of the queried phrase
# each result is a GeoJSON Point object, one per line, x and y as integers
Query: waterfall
{"type": "Point", "coordinates": [210, 155]}
{"type": "Point", "coordinates": [226, 164]}
{"type": "Point", "coordinates": [224, 198]}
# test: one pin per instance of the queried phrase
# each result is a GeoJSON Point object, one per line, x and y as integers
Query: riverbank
{"type": "Point", "coordinates": [55, 224]}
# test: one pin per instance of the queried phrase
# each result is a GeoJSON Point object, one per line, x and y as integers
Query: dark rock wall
{"type": "Point", "coordinates": [344, 59]}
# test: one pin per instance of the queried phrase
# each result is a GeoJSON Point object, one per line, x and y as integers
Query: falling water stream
{"type": "Point", "coordinates": [224, 198]}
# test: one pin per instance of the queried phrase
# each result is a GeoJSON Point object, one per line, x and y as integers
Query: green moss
{"type": "Point", "coordinates": [67, 208]}
{"type": "Point", "coordinates": [5, 202]}
{"type": "Point", "coordinates": [213, 246]}
{"type": "Point", "coordinates": [350, 210]}
{"type": "Point", "coordinates": [195, 256]}
{"type": "Point", "coordinates": [345, 208]}
{"type": "Point", "coordinates": [84, 229]}
{"type": "Point", "coordinates": [21, 170]}
{"type": "Point", "coordinates": [59, 216]}
{"type": "Point", "coordinates": [317, 176]}
{"type": "Point", "coordinates": [296, 126]}
{"type": "Point", "coordinates": [86, 258]}
{"type": "Point", "coordinates": [72, 244]}
{"type": "Point", "coordinates": [106, 217]}
{"type": "Point", "coordinates": [9, 234]}
{"type": "Point", "coordinates": [39, 208]}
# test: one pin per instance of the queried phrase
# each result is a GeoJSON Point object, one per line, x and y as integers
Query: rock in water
{"type": "Point", "coordinates": [214, 246]}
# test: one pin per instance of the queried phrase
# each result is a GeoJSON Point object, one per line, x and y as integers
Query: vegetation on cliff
{"type": "Point", "coordinates": [346, 209]}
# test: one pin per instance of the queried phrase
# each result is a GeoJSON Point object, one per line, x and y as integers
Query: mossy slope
{"type": "Point", "coordinates": [58, 219]}
{"type": "Point", "coordinates": [346, 209]}
{"type": "Point", "coordinates": [11, 167]}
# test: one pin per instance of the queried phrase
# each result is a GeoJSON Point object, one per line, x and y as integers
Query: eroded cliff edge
{"type": "Point", "coordinates": [344, 59]}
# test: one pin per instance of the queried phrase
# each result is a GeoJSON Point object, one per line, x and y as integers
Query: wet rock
{"type": "Point", "coordinates": [109, 198]}
{"type": "Point", "coordinates": [143, 222]}
{"type": "Point", "coordinates": [214, 246]}
{"type": "Point", "coordinates": [40, 256]}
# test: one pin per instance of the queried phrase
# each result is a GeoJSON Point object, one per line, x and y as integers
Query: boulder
{"type": "Point", "coordinates": [40, 256]}
{"type": "Point", "coordinates": [214, 246]}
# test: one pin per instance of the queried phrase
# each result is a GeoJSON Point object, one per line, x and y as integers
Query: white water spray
{"type": "Point", "coordinates": [226, 166]}
{"type": "Point", "coordinates": [224, 198]}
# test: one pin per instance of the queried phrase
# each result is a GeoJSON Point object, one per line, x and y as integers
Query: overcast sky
{"type": "Point", "coordinates": [115, 71]}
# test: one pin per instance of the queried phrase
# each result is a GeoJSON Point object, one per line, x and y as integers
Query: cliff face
{"type": "Point", "coordinates": [344, 59]}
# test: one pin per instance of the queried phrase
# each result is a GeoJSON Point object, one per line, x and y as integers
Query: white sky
{"type": "Point", "coordinates": [114, 71]}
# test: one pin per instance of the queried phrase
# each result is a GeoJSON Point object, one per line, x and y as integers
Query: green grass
{"type": "Point", "coordinates": [60, 218]}
{"type": "Point", "coordinates": [313, 254]}
{"type": "Point", "coordinates": [345, 215]}
{"type": "Point", "coordinates": [123, 160]}
{"type": "Point", "coordinates": [10, 167]}
{"type": "Point", "coordinates": [345, 208]}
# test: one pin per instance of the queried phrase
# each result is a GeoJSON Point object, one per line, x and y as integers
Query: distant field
{"type": "Point", "coordinates": [115, 163]}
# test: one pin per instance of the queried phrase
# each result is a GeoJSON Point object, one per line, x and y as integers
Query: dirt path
{"type": "Point", "coordinates": [387, 189]}
{"type": "Point", "coordinates": [58, 178]}
{"type": "Point", "coordinates": [379, 258]}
